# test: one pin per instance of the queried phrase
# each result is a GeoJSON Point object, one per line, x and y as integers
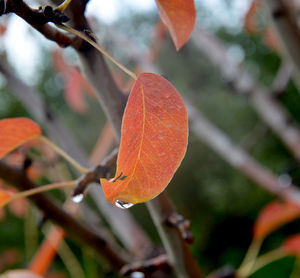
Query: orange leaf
{"type": "Point", "coordinates": [153, 142]}
{"type": "Point", "coordinates": [46, 253]}
{"type": "Point", "coordinates": [292, 245]}
{"type": "Point", "coordinates": [73, 94]}
{"type": "Point", "coordinates": [180, 17]}
{"type": "Point", "coordinates": [75, 84]}
{"type": "Point", "coordinates": [4, 196]}
{"type": "Point", "coordinates": [14, 132]}
{"type": "Point", "coordinates": [273, 216]}
{"type": "Point", "coordinates": [271, 39]}
{"type": "Point", "coordinates": [250, 24]}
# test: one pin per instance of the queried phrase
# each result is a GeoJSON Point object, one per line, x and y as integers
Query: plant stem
{"type": "Point", "coordinates": [63, 6]}
{"type": "Point", "coordinates": [40, 189]}
{"type": "Point", "coordinates": [60, 151]}
{"type": "Point", "coordinates": [250, 258]}
{"type": "Point", "coordinates": [267, 258]}
{"type": "Point", "coordinates": [99, 48]}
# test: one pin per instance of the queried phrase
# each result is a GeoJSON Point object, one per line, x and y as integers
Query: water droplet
{"type": "Point", "coordinates": [123, 205]}
{"type": "Point", "coordinates": [77, 198]}
{"type": "Point", "coordinates": [137, 274]}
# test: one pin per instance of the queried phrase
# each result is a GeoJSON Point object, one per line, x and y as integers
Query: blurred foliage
{"type": "Point", "coordinates": [220, 202]}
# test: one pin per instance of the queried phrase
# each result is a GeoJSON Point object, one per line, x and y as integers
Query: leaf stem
{"type": "Point", "coordinates": [250, 258]}
{"type": "Point", "coordinates": [63, 6]}
{"type": "Point", "coordinates": [267, 258]}
{"type": "Point", "coordinates": [40, 189]}
{"type": "Point", "coordinates": [99, 48]}
{"type": "Point", "coordinates": [60, 151]}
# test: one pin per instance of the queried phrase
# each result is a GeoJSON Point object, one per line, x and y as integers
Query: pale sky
{"type": "Point", "coordinates": [23, 45]}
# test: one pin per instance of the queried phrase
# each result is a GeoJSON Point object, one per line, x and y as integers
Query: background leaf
{"type": "Point", "coordinates": [292, 245]}
{"type": "Point", "coordinates": [153, 142]}
{"type": "Point", "coordinates": [179, 16]}
{"type": "Point", "coordinates": [273, 216]}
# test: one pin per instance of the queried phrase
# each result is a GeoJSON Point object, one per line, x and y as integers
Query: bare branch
{"type": "Point", "coordinates": [147, 267]}
{"type": "Point", "coordinates": [182, 225]}
{"type": "Point", "coordinates": [101, 171]}
{"type": "Point", "coordinates": [239, 159]}
{"type": "Point", "coordinates": [269, 109]}
{"type": "Point", "coordinates": [38, 19]}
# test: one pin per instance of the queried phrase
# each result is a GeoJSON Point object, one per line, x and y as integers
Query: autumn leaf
{"type": "Point", "coordinates": [73, 93]}
{"type": "Point", "coordinates": [75, 84]}
{"type": "Point", "coordinates": [273, 216]}
{"type": "Point", "coordinates": [250, 24]}
{"type": "Point", "coordinates": [153, 141]}
{"type": "Point", "coordinates": [47, 251]}
{"type": "Point", "coordinates": [180, 17]}
{"type": "Point", "coordinates": [292, 245]}
{"type": "Point", "coordinates": [271, 39]}
{"type": "Point", "coordinates": [14, 132]}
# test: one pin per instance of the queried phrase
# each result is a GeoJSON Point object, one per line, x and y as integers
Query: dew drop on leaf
{"type": "Point", "coordinates": [123, 205]}
{"type": "Point", "coordinates": [77, 198]}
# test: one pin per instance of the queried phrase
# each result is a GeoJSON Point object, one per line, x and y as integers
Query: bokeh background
{"type": "Point", "coordinates": [221, 203]}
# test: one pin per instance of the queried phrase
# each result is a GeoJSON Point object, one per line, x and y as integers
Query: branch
{"type": "Point", "coordinates": [101, 171]}
{"type": "Point", "coordinates": [238, 158]}
{"type": "Point", "coordinates": [147, 267]}
{"type": "Point", "coordinates": [39, 19]}
{"type": "Point", "coordinates": [268, 108]}
{"type": "Point", "coordinates": [81, 232]}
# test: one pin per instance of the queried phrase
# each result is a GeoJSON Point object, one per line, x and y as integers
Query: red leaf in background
{"type": "Point", "coordinates": [153, 141]}
{"type": "Point", "coordinates": [180, 17]}
{"type": "Point", "coordinates": [292, 245]}
{"type": "Point", "coordinates": [250, 24]}
{"type": "Point", "coordinates": [75, 84]}
{"type": "Point", "coordinates": [73, 93]}
{"type": "Point", "coordinates": [271, 39]}
{"type": "Point", "coordinates": [47, 252]}
{"type": "Point", "coordinates": [14, 132]}
{"type": "Point", "coordinates": [273, 216]}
